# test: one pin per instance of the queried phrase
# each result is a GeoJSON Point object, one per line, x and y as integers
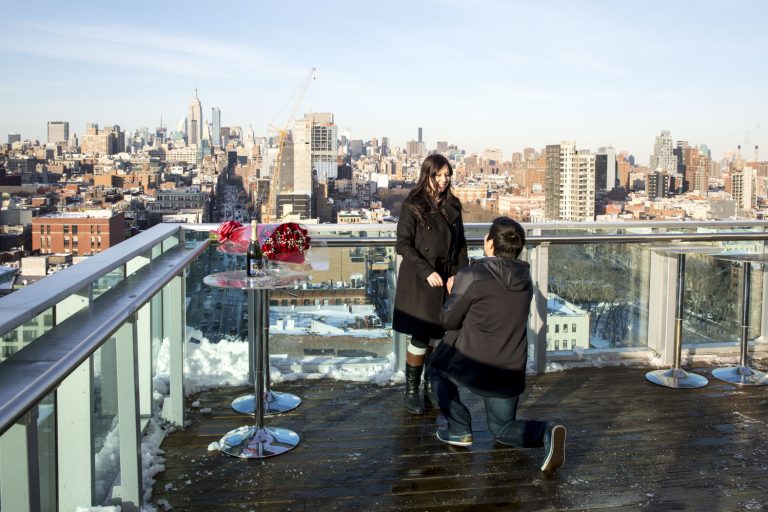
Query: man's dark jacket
{"type": "Point", "coordinates": [486, 315]}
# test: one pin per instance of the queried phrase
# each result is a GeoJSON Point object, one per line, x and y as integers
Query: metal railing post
{"type": "Point", "coordinates": [174, 326]}
{"type": "Point", "coordinates": [74, 434]}
{"type": "Point", "coordinates": [144, 359]}
{"type": "Point", "coordinates": [538, 320]}
{"type": "Point", "coordinates": [130, 491]}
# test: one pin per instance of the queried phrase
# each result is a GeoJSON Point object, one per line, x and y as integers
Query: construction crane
{"type": "Point", "coordinates": [269, 211]}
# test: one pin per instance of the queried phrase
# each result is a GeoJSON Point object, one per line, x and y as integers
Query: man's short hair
{"type": "Point", "coordinates": [508, 238]}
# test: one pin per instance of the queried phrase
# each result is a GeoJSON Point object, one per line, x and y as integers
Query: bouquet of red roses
{"type": "Point", "coordinates": [286, 243]}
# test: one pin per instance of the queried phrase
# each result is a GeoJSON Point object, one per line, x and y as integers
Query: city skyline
{"type": "Point", "coordinates": [489, 74]}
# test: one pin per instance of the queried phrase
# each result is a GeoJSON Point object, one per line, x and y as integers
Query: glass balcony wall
{"type": "Point", "coordinates": [113, 319]}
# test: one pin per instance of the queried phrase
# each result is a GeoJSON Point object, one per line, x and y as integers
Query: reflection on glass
{"type": "Point", "coordinates": [46, 446]}
{"type": "Point", "coordinates": [16, 339]}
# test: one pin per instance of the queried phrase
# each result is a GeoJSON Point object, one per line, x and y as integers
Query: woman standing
{"type": "Point", "coordinates": [430, 238]}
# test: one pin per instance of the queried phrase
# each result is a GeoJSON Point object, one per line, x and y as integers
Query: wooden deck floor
{"type": "Point", "coordinates": [631, 446]}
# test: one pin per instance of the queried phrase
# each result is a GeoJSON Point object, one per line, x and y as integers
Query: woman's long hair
{"type": "Point", "coordinates": [420, 197]}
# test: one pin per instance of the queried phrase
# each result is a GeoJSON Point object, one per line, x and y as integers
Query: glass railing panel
{"type": "Point", "coordinates": [16, 339]}
{"type": "Point", "coordinates": [345, 311]}
{"type": "Point", "coordinates": [107, 281]}
{"type": "Point", "coordinates": [714, 295]}
{"type": "Point", "coordinates": [598, 296]}
{"type": "Point", "coordinates": [46, 451]}
{"type": "Point", "coordinates": [105, 420]}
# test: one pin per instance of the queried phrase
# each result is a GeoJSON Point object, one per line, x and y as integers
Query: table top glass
{"type": "Point", "coordinates": [282, 276]}
{"type": "Point", "coordinates": [754, 257]}
{"type": "Point", "coordinates": [683, 248]}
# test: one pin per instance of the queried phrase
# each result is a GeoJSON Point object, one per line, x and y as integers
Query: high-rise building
{"type": "Point", "coordinates": [420, 139]}
{"type": "Point", "coordinates": [659, 185]}
{"type": "Point", "coordinates": [315, 149]}
{"type": "Point", "coordinates": [14, 137]}
{"type": "Point", "coordinates": [570, 183]}
{"type": "Point", "coordinates": [215, 127]}
{"type": "Point", "coordinates": [663, 158]}
{"type": "Point", "coordinates": [605, 169]}
{"type": "Point", "coordinates": [195, 122]}
{"type": "Point", "coordinates": [743, 188]}
{"type": "Point", "coordinates": [58, 132]}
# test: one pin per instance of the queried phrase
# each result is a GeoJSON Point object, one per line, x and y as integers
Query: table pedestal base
{"type": "Point", "coordinates": [676, 378]}
{"type": "Point", "coordinates": [276, 403]}
{"type": "Point", "coordinates": [743, 375]}
{"type": "Point", "coordinates": [258, 443]}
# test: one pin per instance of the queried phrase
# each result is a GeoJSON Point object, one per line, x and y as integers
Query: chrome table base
{"type": "Point", "coordinates": [251, 442]}
{"type": "Point", "coordinates": [743, 375]}
{"type": "Point", "coordinates": [277, 402]}
{"type": "Point", "coordinates": [676, 378]}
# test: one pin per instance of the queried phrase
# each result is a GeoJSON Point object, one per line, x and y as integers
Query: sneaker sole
{"type": "Point", "coordinates": [454, 443]}
{"type": "Point", "coordinates": [556, 456]}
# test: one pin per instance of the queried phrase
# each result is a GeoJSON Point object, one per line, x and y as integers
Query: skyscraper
{"type": "Point", "coordinates": [570, 183]}
{"type": "Point", "coordinates": [14, 137]}
{"type": "Point", "coordinates": [58, 131]}
{"type": "Point", "coordinates": [605, 169]}
{"type": "Point", "coordinates": [663, 158]}
{"type": "Point", "coordinates": [195, 121]}
{"type": "Point", "coordinates": [315, 149]}
{"type": "Point", "coordinates": [215, 127]}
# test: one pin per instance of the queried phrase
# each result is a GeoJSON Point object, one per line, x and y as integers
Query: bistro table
{"type": "Point", "coordinates": [743, 374]}
{"type": "Point", "coordinates": [259, 441]}
{"type": "Point", "coordinates": [676, 377]}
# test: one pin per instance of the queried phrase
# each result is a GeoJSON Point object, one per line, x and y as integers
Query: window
{"type": "Point", "coordinates": [565, 327]}
{"type": "Point", "coordinates": [557, 328]}
{"type": "Point", "coordinates": [66, 229]}
{"type": "Point", "coordinates": [74, 230]}
{"type": "Point", "coordinates": [573, 343]}
{"type": "Point", "coordinates": [565, 344]}
{"type": "Point", "coordinates": [557, 344]}
{"type": "Point", "coordinates": [573, 328]}
{"type": "Point", "coordinates": [66, 243]}
{"type": "Point", "coordinates": [48, 229]}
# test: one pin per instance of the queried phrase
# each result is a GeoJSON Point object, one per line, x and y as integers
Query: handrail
{"type": "Point", "coordinates": [534, 240]}
{"type": "Point", "coordinates": [28, 375]}
{"type": "Point", "coordinates": [28, 302]}
{"type": "Point", "coordinates": [560, 225]}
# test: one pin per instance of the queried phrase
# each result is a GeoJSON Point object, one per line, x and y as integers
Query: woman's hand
{"type": "Point", "coordinates": [434, 280]}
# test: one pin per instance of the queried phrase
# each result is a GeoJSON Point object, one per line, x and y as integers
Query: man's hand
{"type": "Point", "coordinates": [434, 279]}
{"type": "Point", "coordinates": [449, 284]}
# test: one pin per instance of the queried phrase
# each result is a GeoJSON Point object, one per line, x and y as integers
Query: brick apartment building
{"type": "Point", "coordinates": [78, 233]}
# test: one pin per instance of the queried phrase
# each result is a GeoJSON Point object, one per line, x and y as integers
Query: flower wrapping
{"type": "Point", "coordinates": [229, 231]}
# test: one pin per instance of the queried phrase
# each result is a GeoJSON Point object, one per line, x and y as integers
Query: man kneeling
{"type": "Point", "coordinates": [485, 348]}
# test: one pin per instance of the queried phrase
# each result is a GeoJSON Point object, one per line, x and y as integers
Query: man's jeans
{"type": "Point", "coordinates": [501, 414]}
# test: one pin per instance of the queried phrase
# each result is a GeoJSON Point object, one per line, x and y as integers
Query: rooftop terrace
{"type": "Point", "coordinates": [631, 445]}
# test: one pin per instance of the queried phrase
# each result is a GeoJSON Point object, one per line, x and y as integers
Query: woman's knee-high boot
{"type": "Point", "coordinates": [413, 402]}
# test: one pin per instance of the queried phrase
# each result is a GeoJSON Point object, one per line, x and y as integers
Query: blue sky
{"type": "Point", "coordinates": [480, 74]}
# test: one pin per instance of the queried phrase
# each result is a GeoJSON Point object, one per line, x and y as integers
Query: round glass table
{"type": "Point", "coordinates": [259, 441]}
{"type": "Point", "coordinates": [676, 377]}
{"type": "Point", "coordinates": [743, 374]}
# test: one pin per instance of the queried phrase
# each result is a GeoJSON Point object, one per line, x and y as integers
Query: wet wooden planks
{"type": "Point", "coordinates": [631, 446]}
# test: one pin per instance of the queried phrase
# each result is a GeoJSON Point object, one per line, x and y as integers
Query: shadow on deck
{"type": "Point", "coordinates": [631, 446]}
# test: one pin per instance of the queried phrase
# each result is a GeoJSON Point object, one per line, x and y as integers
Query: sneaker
{"type": "Point", "coordinates": [454, 439]}
{"type": "Point", "coordinates": [554, 448]}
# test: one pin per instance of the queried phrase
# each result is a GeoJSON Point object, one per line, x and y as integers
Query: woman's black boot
{"type": "Point", "coordinates": [413, 402]}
